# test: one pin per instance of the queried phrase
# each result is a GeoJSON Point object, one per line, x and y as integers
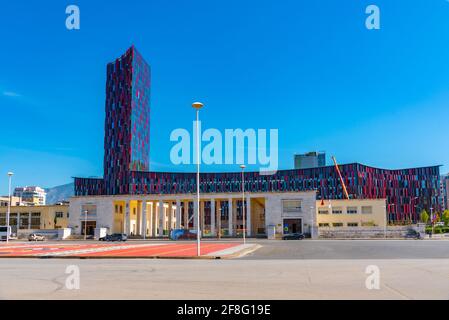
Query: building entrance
{"type": "Point", "coordinates": [292, 226]}
{"type": "Point", "coordinates": [89, 227]}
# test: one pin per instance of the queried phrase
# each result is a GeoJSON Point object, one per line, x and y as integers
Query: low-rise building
{"type": "Point", "coordinates": [35, 217]}
{"type": "Point", "coordinates": [4, 201]}
{"type": "Point", "coordinates": [351, 213]}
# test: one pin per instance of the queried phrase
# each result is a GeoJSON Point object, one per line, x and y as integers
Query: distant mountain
{"type": "Point", "coordinates": [59, 193]}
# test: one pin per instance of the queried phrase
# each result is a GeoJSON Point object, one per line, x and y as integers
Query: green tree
{"type": "Point", "coordinates": [424, 216]}
{"type": "Point", "coordinates": [446, 217]}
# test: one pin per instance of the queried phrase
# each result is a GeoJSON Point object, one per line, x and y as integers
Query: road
{"type": "Point", "coordinates": [352, 249]}
{"type": "Point", "coordinates": [321, 270]}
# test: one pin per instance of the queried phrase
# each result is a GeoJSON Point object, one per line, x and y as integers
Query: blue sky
{"type": "Point", "coordinates": [308, 68]}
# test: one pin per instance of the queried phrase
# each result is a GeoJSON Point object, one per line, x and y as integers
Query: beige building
{"type": "Point", "coordinates": [4, 201]}
{"type": "Point", "coordinates": [36, 217]}
{"type": "Point", "coordinates": [351, 213]}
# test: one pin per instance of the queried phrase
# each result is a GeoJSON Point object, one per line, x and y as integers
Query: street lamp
{"type": "Point", "coordinates": [243, 202]}
{"type": "Point", "coordinates": [85, 224]}
{"type": "Point", "coordinates": [10, 174]}
{"type": "Point", "coordinates": [197, 106]}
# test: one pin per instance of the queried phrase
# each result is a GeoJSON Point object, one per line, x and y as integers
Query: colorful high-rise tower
{"type": "Point", "coordinates": [127, 121]}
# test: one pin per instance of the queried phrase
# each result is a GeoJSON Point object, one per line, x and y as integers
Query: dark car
{"type": "Point", "coordinates": [293, 236]}
{"type": "Point", "coordinates": [115, 237]}
{"type": "Point", "coordinates": [412, 234]}
{"type": "Point", "coordinates": [182, 234]}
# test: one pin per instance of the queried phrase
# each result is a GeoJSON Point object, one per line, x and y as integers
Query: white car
{"type": "Point", "coordinates": [36, 237]}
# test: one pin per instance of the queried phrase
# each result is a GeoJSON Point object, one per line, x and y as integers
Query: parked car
{"type": "Point", "coordinates": [182, 234]}
{"type": "Point", "coordinates": [412, 234]}
{"type": "Point", "coordinates": [293, 236]}
{"type": "Point", "coordinates": [36, 237]}
{"type": "Point", "coordinates": [115, 237]}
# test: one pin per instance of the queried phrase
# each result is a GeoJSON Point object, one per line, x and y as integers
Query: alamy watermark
{"type": "Point", "coordinates": [72, 22]}
{"type": "Point", "coordinates": [72, 282]}
{"type": "Point", "coordinates": [238, 146]}
{"type": "Point", "coordinates": [372, 22]}
{"type": "Point", "coordinates": [372, 282]}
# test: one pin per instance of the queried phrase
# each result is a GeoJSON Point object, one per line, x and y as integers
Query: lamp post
{"type": "Point", "coordinates": [85, 224]}
{"type": "Point", "coordinates": [197, 106]}
{"type": "Point", "coordinates": [243, 202]}
{"type": "Point", "coordinates": [10, 174]}
{"type": "Point", "coordinates": [219, 222]}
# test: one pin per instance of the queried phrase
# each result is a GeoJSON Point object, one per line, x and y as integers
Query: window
{"type": "Point", "coordinates": [323, 211]}
{"type": "Point", "coordinates": [59, 214]}
{"type": "Point", "coordinates": [367, 210]}
{"type": "Point", "coordinates": [35, 220]}
{"type": "Point", "coordinates": [337, 224]}
{"type": "Point", "coordinates": [351, 210]}
{"type": "Point", "coordinates": [323, 225]}
{"type": "Point", "coordinates": [291, 205]}
{"type": "Point", "coordinates": [353, 224]}
{"type": "Point", "coordinates": [337, 210]}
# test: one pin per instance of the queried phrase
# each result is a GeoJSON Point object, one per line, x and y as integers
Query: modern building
{"type": "Point", "coordinates": [352, 213]}
{"type": "Point", "coordinates": [132, 199]}
{"type": "Point", "coordinates": [310, 160]}
{"type": "Point", "coordinates": [31, 195]}
{"type": "Point", "coordinates": [444, 192]}
{"type": "Point", "coordinates": [36, 217]}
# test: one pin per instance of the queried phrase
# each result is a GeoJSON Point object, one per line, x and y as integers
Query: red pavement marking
{"type": "Point", "coordinates": [32, 249]}
{"type": "Point", "coordinates": [168, 250]}
{"type": "Point", "coordinates": [188, 249]}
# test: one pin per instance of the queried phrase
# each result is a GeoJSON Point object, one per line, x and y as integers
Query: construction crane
{"type": "Point", "coordinates": [345, 191]}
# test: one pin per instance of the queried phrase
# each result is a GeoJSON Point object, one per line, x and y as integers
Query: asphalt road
{"type": "Point", "coordinates": [279, 270]}
{"type": "Point", "coordinates": [351, 249]}
{"type": "Point", "coordinates": [222, 279]}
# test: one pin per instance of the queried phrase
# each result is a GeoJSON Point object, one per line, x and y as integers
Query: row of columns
{"type": "Point", "coordinates": [157, 216]}
{"type": "Point", "coordinates": [18, 224]}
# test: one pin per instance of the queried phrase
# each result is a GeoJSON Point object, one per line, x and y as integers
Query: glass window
{"type": "Point", "coordinates": [337, 210]}
{"type": "Point", "coordinates": [351, 210]}
{"type": "Point", "coordinates": [367, 209]}
{"type": "Point", "coordinates": [353, 224]}
{"type": "Point", "coordinates": [337, 224]}
{"type": "Point", "coordinates": [323, 211]}
{"type": "Point", "coordinates": [292, 205]}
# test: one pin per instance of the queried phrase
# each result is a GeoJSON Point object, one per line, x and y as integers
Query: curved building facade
{"type": "Point", "coordinates": [127, 167]}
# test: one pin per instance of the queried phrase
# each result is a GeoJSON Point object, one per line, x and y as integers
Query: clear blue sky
{"type": "Point", "coordinates": [309, 68]}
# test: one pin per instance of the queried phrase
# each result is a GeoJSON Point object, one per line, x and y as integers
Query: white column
{"type": "Point", "coordinates": [143, 230]}
{"type": "Point", "coordinates": [161, 218]}
{"type": "Point", "coordinates": [170, 215]}
{"type": "Point", "coordinates": [178, 214]}
{"type": "Point", "coordinates": [195, 210]}
{"type": "Point", "coordinates": [203, 217]}
{"type": "Point", "coordinates": [153, 223]}
{"type": "Point", "coordinates": [248, 216]}
{"type": "Point", "coordinates": [127, 220]}
{"type": "Point", "coordinates": [18, 222]}
{"type": "Point", "coordinates": [230, 217]}
{"type": "Point", "coordinates": [138, 218]}
{"type": "Point", "coordinates": [186, 214]}
{"type": "Point", "coordinates": [212, 217]}
{"type": "Point", "coordinates": [29, 220]}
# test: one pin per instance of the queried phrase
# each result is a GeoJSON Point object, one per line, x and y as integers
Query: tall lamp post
{"type": "Point", "coordinates": [243, 202]}
{"type": "Point", "coordinates": [197, 106]}
{"type": "Point", "coordinates": [10, 174]}
{"type": "Point", "coordinates": [85, 224]}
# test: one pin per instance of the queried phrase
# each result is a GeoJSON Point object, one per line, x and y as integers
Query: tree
{"type": "Point", "coordinates": [424, 216]}
{"type": "Point", "coordinates": [445, 217]}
